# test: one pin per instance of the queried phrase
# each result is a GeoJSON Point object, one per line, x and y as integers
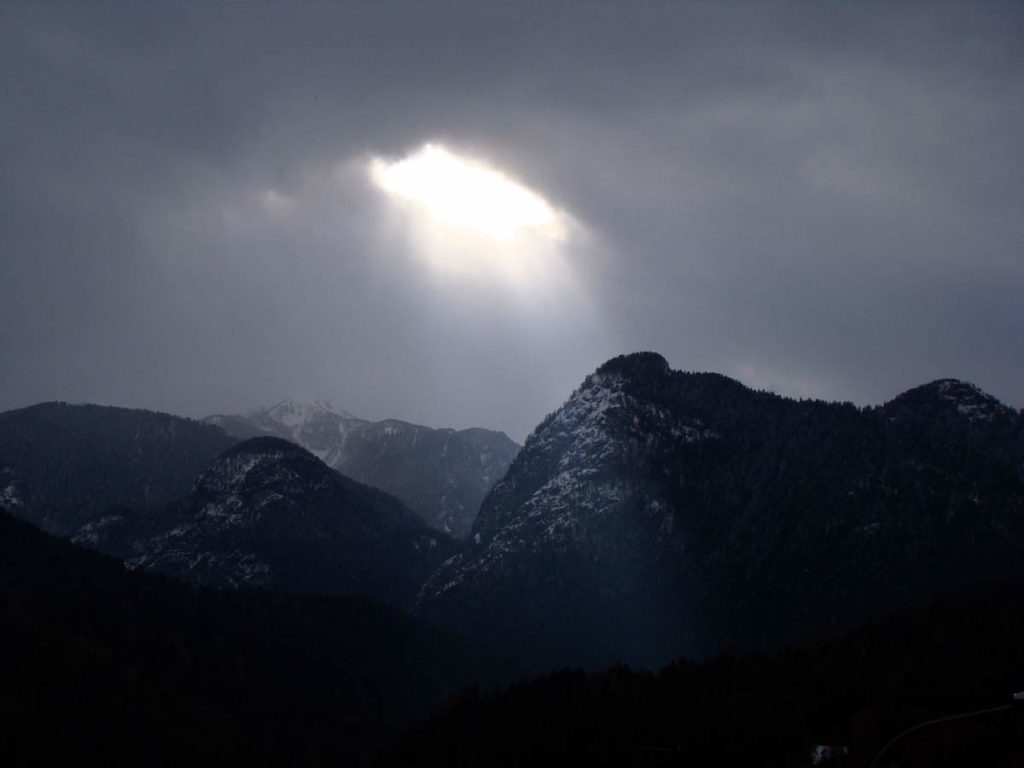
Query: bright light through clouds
{"type": "Point", "coordinates": [466, 193]}
{"type": "Point", "coordinates": [470, 218]}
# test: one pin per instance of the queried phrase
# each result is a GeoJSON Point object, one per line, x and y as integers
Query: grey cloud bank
{"type": "Point", "coordinates": [821, 201]}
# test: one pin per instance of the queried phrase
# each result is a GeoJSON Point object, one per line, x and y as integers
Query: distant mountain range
{"type": "Point", "coordinates": [184, 498]}
{"type": "Point", "coordinates": [441, 474]}
{"type": "Point", "coordinates": [660, 513]}
{"type": "Point", "coordinates": [62, 465]}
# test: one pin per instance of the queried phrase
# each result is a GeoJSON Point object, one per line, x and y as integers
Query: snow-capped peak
{"type": "Point", "coordinates": [296, 411]}
{"type": "Point", "coordinates": [951, 395]}
{"type": "Point", "coordinates": [970, 400]}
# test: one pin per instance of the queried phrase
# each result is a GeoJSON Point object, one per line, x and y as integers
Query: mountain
{"type": "Point", "coordinates": [64, 464]}
{"type": "Point", "coordinates": [660, 513]}
{"type": "Point", "coordinates": [269, 513]}
{"type": "Point", "coordinates": [441, 474]}
{"type": "Point", "coordinates": [133, 669]}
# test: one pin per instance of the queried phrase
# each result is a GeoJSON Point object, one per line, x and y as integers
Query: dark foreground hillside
{"type": "Point", "coordinates": [844, 697]}
{"type": "Point", "coordinates": [131, 669]}
{"type": "Point", "coordinates": [127, 668]}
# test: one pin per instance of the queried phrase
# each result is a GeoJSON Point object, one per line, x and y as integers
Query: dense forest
{"type": "Point", "coordinates": [839, 699]}
{"type": "Point", "coordinates": [72, 462]}
{"type": "Point", "coordinates": [130, 668]}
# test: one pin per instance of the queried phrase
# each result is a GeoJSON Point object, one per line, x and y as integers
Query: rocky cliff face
{"type": "Point", "coordinates": [659, 513]}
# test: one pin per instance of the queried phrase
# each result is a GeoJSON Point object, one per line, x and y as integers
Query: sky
{"type": "Point", "coordinates": [451, 212]}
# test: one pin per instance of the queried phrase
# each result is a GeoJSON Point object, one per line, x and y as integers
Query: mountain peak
{"type": "Point", "coordinates": [661, 513]}
{"type": "Point", "coordinates": [298, 410]}
{"type": "Point", "coordinates": [963, 397]}
{"type": "Point", "coordinates": [261, 461]}
{"type": "Point", "coordinates": [636, 364]}
{"type": "Point", "coordinates": [269, 513]}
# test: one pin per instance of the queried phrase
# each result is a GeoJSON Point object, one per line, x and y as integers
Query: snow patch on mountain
{"type": "Point", "coordinates": [601, 423]}
{"type": "Point", "coordinates": [11, 492]}
{"type": "Point", "coordinates": [971, 401]}
{"type": "Point", "coordinates": [952, 396]}
{"type": "Point", "coordinates": [90, 534]}
{"type": "Point", "coordinates": [298, 410]}
{"type": "Point", "coordinates": [601, 428]}
{"type": "Point", "coordinates": [235, 569]}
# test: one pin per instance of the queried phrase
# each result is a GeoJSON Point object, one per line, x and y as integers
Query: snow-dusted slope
{"type": "Point", "coordinates": [269, 513]}
{"type": "Point", "coordinates": [441, 474]}
{"type": "Point", "coordinates": [12, 492]}
{"type": "Point", "coordinates": [950, 398]}
{"type": "Point", "coordinates": [659, 513]}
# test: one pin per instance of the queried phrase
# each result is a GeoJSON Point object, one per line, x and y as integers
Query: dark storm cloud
{"type": "Point", "coordinates": [824, 201]}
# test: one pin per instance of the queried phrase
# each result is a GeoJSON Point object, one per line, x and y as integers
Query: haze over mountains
{"type": "Point", "coordinates": [118, 457]}
{"type": "Point", "coordinates": [442, 474]}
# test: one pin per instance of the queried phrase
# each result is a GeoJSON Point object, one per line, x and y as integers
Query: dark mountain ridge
{"type": "Point", "coordinates": [660, 513]}
{"type": "Point", "coordinates": [269, 513]}
{"type": "Point", "coordinates": [74, 461]}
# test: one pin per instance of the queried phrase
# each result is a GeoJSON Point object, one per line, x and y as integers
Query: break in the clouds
{"type": "Point", "coordinates": [820, 199]}
{"type": "Point", "coordinates": [467, 196]}
{"type": "Point", "coordinates": [470, 219]}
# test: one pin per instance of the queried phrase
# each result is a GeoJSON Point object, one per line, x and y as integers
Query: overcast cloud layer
{"type": "Point", "coordinates": [821, 201]}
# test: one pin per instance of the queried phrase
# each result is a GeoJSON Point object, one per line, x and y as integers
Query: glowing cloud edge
{"type": "Point", "coordinates": [468, 195]}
